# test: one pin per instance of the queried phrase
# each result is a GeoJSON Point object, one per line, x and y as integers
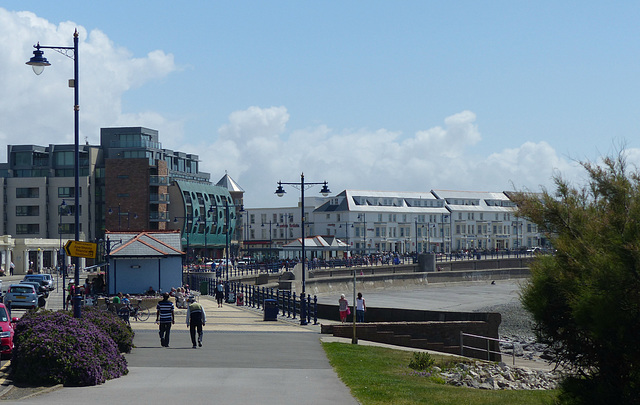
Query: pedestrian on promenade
{"type": "Point", "coordinates": [343, 308]}
{"type": "Point", "coordinates": [165, 317]}
{"type": "Point", "coordinates": [219, 293]}
{"type": "Point", "coordinates": [361, 307]}
{"type": "Point", "coordinates": [196, 318]}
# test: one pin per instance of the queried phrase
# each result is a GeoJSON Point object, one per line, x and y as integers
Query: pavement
{"type": "Point", "coordinates": [244, 359]}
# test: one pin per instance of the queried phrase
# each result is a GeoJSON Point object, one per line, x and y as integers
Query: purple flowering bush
{"type": "Point", "coordinates": [112, 325]}
{"type": "Point", "coordinates": [55, 348]}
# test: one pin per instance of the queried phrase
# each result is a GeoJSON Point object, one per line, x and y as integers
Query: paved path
{"type": "Point", "coordinates": [244, 360]}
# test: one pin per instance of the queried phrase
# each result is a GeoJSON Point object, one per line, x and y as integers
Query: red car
{"type": "Point", "coordinates": [6, 335]}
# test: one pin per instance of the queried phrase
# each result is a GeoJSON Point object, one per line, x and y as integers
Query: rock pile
{"type": "Point", "coordinates": [498, 376]}
{"type": "Point", "coordinates": [523, 347]}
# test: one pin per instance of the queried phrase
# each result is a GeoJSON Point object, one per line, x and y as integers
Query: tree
{"type": "Point", "coordinates": [585, 299]}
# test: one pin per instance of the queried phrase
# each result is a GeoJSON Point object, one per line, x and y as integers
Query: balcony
{"type": "Point", "coordinates": [155, 198]}
{"type": "Point", "coordinates": [159, 180]}
{"type": "Point", "coordinates": [159, 217]}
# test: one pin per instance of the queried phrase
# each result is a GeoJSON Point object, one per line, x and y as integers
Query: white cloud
{"type": "Point", "coordinates": [255, 147]}
{"type": "Point", "coordinates": [255, 150]}
{"type": "Point", "coordinates": [39, 109]}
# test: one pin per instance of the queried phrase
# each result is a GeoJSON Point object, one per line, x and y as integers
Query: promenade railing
{"type": "Point", "coordinates": [253, 296]}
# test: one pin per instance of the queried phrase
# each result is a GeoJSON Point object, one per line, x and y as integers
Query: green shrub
{"type": "Point", "coordinates": [421, 361]}
{"type": "Point", "coordinates": [54, 348]}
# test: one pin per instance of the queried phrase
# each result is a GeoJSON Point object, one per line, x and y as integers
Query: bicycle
{"type": "Point", "coordinates": [138, 313]}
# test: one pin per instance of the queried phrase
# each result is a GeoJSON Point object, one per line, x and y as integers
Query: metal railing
{"type": "Point", "coordinates": [488, 348]}
{"type": "Point", "coordinates": [288, 303]}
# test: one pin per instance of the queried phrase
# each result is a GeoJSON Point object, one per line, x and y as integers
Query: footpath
{"type": "Point", "coordinates": [243, 360]}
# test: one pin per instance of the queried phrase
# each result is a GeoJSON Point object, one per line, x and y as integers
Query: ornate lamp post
{"type": "Point", "coordinates": [38, 62]}
{"type": "Point", "coordinates": [280, 192]}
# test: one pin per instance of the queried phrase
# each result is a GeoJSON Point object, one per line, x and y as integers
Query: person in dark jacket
{"type": "Point", "coordinates": [196, 318]}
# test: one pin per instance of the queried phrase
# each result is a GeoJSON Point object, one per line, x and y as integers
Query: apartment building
{"type": "Point", "coordinates": [405, 222]}
{"type": "Point", "coordinates": [125, 185]}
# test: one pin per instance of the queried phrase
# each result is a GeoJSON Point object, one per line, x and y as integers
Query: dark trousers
{"type": "Point", "coordinates": [359, 315]}
{"type": "Point", "coordinates": [193, 327]}
{"type": "Point", "coordinates": [165, 331]}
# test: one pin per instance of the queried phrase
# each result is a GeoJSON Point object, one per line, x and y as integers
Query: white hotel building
{"type": "Point", "coordinates": [380, 221]}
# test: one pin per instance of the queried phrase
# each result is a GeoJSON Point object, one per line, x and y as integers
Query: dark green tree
{"type": "Point", "coordinates": [585, 299]}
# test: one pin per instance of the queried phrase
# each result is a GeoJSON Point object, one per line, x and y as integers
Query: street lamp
{"type": "Point", "coordinates": [346, 235]}
{"type": "Point", "coordinates": [109, 244]}
{"type": "Point", "coordinates": [280, 192]}
{"type": "Point", "coordinates": [210, 211]}
{"type": "Point", "coordinates": [187, 230]}
{"type": "Point", "coordinates": [363, 218]}
{"type": "Point", "coordinates": [270, 239]}
{"type": "Point", "coordinates": [226, 237]}
{"type": "Point", "coordinates": [120, 215]}
{"type": "Point", "coordinates": [62, 266]}
{"type": "Point", "coordinates": [38, 62]}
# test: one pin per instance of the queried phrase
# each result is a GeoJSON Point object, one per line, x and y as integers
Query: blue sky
{"type": "Point", "coordinates": [382, 95]}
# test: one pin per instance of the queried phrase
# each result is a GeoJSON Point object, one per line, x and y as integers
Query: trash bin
{"type": "Point", "coordinates": [240, 300]}
{"type": "Point", "coordinates": [270, 310]}
{"type": "Point", "coordinates": [204, 287]}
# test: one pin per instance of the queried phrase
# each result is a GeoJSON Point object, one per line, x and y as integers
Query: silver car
{"type": "Point", "coordinates": [45, 279]}
{"type": "Point", "coordinates": [21, 296]}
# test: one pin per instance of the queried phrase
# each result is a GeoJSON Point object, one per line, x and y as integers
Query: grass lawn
{"type": "Point", "coordinates": [379, 375]}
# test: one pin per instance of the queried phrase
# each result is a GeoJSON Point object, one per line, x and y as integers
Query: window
{"type": "Point", "coordinates": [252, 219]}
{"type": "Point", "coordinates": [64, 158]}
{"type": "Point", "coordinates": [66, 192]}
{"type": "Point", "coordinates": [67, 228]}
{"type": "Point", "coordinates": [27, 211]}
{"type": "Point", "coordinates": [27, 192]}
{"type": "Point", "coordinates": [27, 229]}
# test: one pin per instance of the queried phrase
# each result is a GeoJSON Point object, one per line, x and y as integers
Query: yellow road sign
{"type": "Point", "coordinates": [76, 248]}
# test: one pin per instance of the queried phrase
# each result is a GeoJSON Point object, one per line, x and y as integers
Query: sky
{"type": "Point", "coordinates": [368, 95]}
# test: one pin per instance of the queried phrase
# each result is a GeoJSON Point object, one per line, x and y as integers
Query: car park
{"type": "Point", "coordinates": [6, 335]}
{"type": "Point", "coordinates": [21, 296]}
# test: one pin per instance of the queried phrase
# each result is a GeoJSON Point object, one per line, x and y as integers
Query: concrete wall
{"type": "Point", "coordinates": [379, 279]}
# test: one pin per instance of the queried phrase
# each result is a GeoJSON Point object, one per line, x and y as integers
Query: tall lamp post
{"type": "Point", "coordinates": [280, 192]}
{"type": "Point", "coordinates": [206, 221]}
{"type": "Point", "coordinates": [363, 218]}
{"type": "Point", "coordinates": [108, 245]}
{"type": "Point", "coordinates": [187, 230]}
{"type": "Point", "coordinates": [270, 239]}
{"type": "Point", "coordinates": [61, 258]}
{"type": "Point", "coordinates": [38, 62]}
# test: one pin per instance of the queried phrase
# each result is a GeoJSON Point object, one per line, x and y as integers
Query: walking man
{"type": "Point", "coordinates": [196, 318]}
{"type": "Point", "coordinates": [165, 317]}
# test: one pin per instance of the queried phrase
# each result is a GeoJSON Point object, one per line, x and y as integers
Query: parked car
{"type": "Point", "coordinates": [6, 335]}
{"type": "Point", "coordinates": [46, 278]}
{"type": "Point", "coordinates": [41, 289]}
{"type": "Point", "coordinates": [21, 296]}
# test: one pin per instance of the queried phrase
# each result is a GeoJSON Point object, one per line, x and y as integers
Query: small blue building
{"type": "Point", "coordinates": [139, 260]}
